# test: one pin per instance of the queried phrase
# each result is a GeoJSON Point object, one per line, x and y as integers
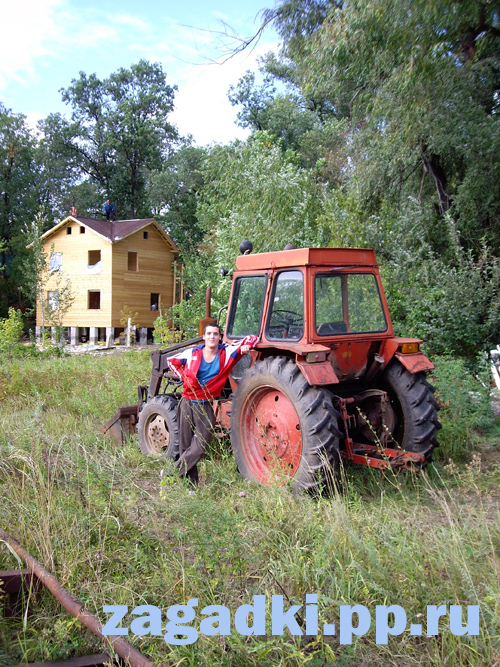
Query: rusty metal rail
{"type": "Point", "coordinates": [75, 607]}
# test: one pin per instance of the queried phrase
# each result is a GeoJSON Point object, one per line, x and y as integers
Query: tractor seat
{"type": "Point", "coordinates": [332, 328]}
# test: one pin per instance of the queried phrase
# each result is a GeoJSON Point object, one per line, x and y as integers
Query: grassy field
{"type": "Point", "coordinates": [105, 524]}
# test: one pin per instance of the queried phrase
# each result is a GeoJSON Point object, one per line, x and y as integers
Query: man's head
{"type": "Point", "coordinates": [211, 336]}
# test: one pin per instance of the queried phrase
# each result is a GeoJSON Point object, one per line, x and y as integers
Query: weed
{"type": "Point", "coordinates": [113, 532]}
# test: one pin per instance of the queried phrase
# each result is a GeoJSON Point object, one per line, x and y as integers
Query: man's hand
{"type": "Point", "coordinates": [245, 349]}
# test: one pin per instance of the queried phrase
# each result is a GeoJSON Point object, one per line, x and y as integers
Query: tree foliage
{"type": "Point", "coordinates": [17, 173]}
{"type": "Point", "coordinates": [404, 133]}
{"type": "Point", "coordinates": [256, 191]}
{"type": "Point", "coordinates": [173, 195]}
{"type": "Point", "coordinates": [118, 132]}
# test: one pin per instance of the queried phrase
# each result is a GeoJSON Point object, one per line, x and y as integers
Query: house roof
{"type": "Point", "coordinates": [114, 231]}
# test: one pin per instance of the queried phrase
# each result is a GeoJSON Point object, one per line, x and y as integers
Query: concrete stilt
{"type": "Point", "coordinates": [143, 336]}
{"type": "Point", "coordinates": [53, 335]}
{"type": "Point", "coordinates": [73, 336]}
{"type": "Point", "coordinates": [110, 336]}
{"type": "Point", "coordinates": [94, 335]}
{"type": "Point", "coordinates": [38, 334]}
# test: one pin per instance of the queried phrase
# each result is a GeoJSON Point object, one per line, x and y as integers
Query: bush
{"type": "Point", "coordinates": [11, 330]}
{"type": "Point", "coordinates": [464, 396]}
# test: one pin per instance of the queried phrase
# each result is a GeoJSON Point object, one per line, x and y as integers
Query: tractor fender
{"type": "Point", "coordinates": [415, 363]}
{"type": "Point", "coordinates": [318, 373]}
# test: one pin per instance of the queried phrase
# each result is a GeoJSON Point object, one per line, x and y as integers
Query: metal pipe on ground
{"type": "Point", "coordinates": [75, 607]}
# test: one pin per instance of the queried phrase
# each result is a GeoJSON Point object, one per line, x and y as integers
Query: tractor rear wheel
{"type": "Point", "coordinates": [415, 409]}
{"type": "Point", "coordinates": [157, 427]}
{"type": "Point", "coordinates": [282, 428]}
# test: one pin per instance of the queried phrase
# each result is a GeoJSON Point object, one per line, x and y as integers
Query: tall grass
{"type": "Point", "coordinates": [112, 532]}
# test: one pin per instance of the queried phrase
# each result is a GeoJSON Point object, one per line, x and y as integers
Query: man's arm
{"type": "Point", "coordinates": [236, 350]}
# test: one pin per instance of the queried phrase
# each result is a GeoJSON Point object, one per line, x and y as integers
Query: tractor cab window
{"type": "Point", "coordinates": [347, 303]}
{"type": "Point", "coordinates": [286, 321]}
{"type": "Point", "coordinates": [246, 308]}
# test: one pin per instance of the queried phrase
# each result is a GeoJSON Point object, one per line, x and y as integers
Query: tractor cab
{"type": "Point", "coordinates": [312, 304]}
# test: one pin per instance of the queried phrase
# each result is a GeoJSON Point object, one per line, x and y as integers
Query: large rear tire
{"type": "Point", "coordinates": [282, 429]}
{"type": "Point", "coordinates": [415, 409]}
{"type": "Point", "coordinates": [157, 427]}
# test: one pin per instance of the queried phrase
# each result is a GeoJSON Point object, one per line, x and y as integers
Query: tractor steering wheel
{"type": "Point", "coordinates": [286, 318]}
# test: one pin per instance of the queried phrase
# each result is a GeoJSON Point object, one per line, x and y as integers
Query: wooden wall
{"type": "Point", "coordinates": [75, 249]}
{"type": "Point", "coordinates": [154, 276]}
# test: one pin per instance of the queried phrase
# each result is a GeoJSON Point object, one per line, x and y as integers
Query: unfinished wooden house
{"type": "Point", "coordinates": [111, 266]}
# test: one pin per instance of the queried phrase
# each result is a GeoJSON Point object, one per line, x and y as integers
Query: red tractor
{"type": "Point", "coordinates": [327, 380]}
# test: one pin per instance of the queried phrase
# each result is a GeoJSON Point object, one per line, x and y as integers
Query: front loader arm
{"type": "Point", "coordinates": [159, 361]}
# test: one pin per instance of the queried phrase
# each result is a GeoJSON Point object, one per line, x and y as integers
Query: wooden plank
{"type": "Point", "coordinates": [154, 276]}
{"type": "Point", "coordinates": [98, 660]}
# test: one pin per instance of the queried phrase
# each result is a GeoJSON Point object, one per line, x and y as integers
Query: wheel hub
{"type": "Point", "coordinates": [158, 433]}
{"type": "Point", "coordinates": [272, 435]}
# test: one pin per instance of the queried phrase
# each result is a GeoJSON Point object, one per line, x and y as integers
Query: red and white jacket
{"type": "Point", "coordinates": [187, 363]}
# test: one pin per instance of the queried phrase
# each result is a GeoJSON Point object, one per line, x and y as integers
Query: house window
{"type": "Point", "coordinates": [155, 301]}
{"type": "Point", "coordinates": [94, 300]}
{"type": "Point", "coordinates": [145, 234]}
{"type": "Point", "coordinates": [94, 265]}
{"type": "Point", "coordinates": [55, 262]}
{"type": "Point", "coordinates": [82, 230]}
{"type": "Point", "coordinates": [132, 261]}
{"type": "Point", "coordinates": [53, 300]}
{"type": "Point", "coordinates": [68, 230]}
{"type": "Point", "coordinates": [94, 257]}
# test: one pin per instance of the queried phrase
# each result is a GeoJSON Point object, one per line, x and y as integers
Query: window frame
{"type": "Point", "coordinates": [152, 302]}
{"type": "Point", "coordinates": [93, 291]}
{"type": "Point", "coordinates": [234, 296]}
{"type": "Point", "coordinates": [53, 301]}
{"type": "Point", "coordinates": [136, 253]}
{"type": "Point", "coordinates": [53, 253]}
{"type": "Point", "coordinates": [296, 269]}
{"type": "Point", "coordinates": [329, 274]}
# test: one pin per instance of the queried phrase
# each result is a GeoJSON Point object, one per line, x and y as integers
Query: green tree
{"type": "Point", "coordinates": [118, 132]}
{"type": "Point", "coordinates": [17, 196]}
{"type": "Point", "coordinates": [416, 84]}
{"type": "Point", "coordinates": [255, 191]}
{"type": "Point", "coordinates": [35, 265]}
{"type": "Point", "coordinates": [173, 195]}
{"type": "Point", "coordinates": [19, 199]}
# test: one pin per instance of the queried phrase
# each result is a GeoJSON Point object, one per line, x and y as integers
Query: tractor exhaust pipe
{"type": "Point", "coordinates": [208, 319]}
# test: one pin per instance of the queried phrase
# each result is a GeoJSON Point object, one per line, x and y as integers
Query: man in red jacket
{"type": "Point", "coordinates": [204, 370]}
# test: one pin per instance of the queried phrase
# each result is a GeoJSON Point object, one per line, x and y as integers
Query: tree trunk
{"type": "Point", "coordinates": [433, 166]}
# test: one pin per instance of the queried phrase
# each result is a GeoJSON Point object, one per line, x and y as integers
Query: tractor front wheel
{"type": "Point", "coordinates": [282, 428]}
{"type": "Point", "coordinates": [157, 427]}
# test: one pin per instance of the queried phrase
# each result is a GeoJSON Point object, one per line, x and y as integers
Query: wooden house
{"type": "Point", "coordinates": [111, 265]}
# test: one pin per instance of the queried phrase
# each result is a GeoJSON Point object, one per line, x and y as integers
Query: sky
{"type": "Point", "coordinates": [44, 44]}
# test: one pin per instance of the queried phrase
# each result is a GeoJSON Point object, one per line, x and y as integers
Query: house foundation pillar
{"type": "Point", "coordinates": [53, 335]}
{"type": "Point", "coordinates": [73, 335]}
{"type": "Point", "coordinates": [110, 336]}
{"type": "Point", "coordinates": [38, 334]}
{"type": "Point", "coordinates": [94, 335]}
{"type": "Point", "coordinates": [143, 336]}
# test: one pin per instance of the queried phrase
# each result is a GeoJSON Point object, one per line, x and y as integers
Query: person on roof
{"type": "Point", "coordinates": [204, 370]}
{"type": "Point", "coordinates": [109, 209]}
